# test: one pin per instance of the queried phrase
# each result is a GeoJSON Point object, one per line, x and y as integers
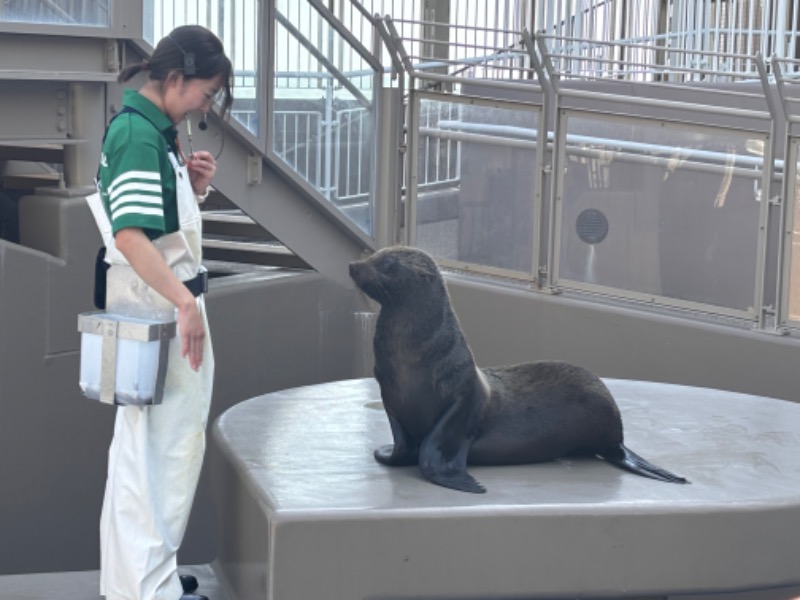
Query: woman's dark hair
{"type": "Point", "coordinates": [192, 50]}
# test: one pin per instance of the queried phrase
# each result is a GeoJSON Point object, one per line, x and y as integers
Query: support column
{"type": "Point", "coordinates": [87, 120]}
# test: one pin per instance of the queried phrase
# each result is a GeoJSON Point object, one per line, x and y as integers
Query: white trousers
{"type": "Point", "coordinates": [153, 466]}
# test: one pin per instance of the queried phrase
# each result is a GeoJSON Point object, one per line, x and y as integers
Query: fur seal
{"type": "Point", "coordinates": [445, 412]}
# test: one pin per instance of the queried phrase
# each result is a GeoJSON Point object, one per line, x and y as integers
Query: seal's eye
{"type": "Point", "coordinates": [389, 264]}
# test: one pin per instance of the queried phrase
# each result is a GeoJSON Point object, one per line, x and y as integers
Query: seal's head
{"type": "Point", "coordinates": [396, 275]}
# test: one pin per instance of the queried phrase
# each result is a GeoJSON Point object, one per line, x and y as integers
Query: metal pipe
{"type": "Point", "coordinates": [656, 102]}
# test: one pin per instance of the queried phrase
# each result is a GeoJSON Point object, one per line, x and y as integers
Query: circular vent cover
{"type": "Point", "coordinates": [592, 226]}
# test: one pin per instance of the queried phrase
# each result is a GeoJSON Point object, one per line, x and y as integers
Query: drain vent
{"type": "Point", "coordinates": [592, 226]}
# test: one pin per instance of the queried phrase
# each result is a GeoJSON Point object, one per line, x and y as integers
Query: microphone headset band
{"type": "Point", "coordinates": [189, 63]}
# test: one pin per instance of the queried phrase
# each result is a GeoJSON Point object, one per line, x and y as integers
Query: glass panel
{"type": "Point", "coordinates": [237, 25]}
{"type": "Point", "coordinates": [93, 13]}
{"type": "Point", "coordinates": [324, 110]}
{"type": "Point", "coordinates": [794, 275]}
{"type": "Point", "coordinates": [662, 209]}
{"type": "Point", "coordinates": [476, 182]}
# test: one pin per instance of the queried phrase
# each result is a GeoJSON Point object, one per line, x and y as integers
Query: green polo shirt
{"type": "Point", "coordinates": [137, 179]}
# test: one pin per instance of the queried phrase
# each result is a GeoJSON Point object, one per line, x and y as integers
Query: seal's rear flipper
{"type": "Point", "coordinates": [625, 458]}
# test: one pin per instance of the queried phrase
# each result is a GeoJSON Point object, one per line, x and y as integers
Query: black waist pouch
{"type": "Point", "coordinates": [100, 268]}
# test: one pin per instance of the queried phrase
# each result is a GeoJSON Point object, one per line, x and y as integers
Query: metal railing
{"type": "Point", "coordinates": [636, 128]}
{"type": "Point", "coordinates": [608, 105]}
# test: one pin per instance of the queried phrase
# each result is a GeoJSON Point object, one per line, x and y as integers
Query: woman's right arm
{"type": "Point", "coordinates": [148, 263]}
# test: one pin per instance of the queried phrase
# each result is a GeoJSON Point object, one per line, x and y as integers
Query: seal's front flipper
{"type": "Point", "coordinates": [390, 456]}
{"type": "Point", "coordinates": [453, 479]}
{"type": "Point", "coordinates": [460, 481]}
{"type": "Point", "coordinates": [403, 453]}
{"type": "Point", "coordinates": [448, 473]}
{"type": "Point", "coordinates": [443, 454]}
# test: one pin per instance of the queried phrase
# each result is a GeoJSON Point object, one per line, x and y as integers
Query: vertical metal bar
{"type": "Point", "coordinates": [361, 154]}
{"type": "Point", "coordinates": [707, 39]}
{"type": "Point", "coordinates": [718, 8]}
{"type": "Point", "coordinates": [779, 43]}
{"type": "Point", "coordinates": [690, 33]}
{"type": "Point", "coordinates": [793, 49]}
{"type": "Point", "coordinates": [540, 19]}
{"type": "Point", "coordinates": [319, 150]}
{"type": "Point", "coordinates": [349, 152]}
{"type": "Point", "coordinates": [537, 212]}
{"type": "Point", "coordinates": [763, 230]}
{"type": "Point", "coordinates": [307, 151]}
{"type": "Point", "coordinates": [449, 159]}
{"type": "Point", "coordinates": [788, 224]}
{"type": "Point", "coordinates": [295, 148]}
{"type": "Point", "coordinates": [332, 189]}
{"type": "Point", "coordinates": [454, 108]}
{"type": "Point", "coordinates": [412, 165]}
{"type": "Point", "coordinates": [438, 161]}
{"type": "Point", "coordinates": [682, 59]}
{"type": "Point", "coordinates": [751, 28]}
{"type": "Point", "coordinates": [283, 145]}
{"type": "Point", "coordinates": [556, 200]}
{"type": "Point", "coordinates": [264, 81]}
{"type": "Point", "coordinates": [787, 193]}
{"type": "Point", "coordinates": [340, 171]}
{"type": "Point", "coordinates": [330, 139]}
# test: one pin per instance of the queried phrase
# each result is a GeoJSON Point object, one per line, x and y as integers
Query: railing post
{"type": "Point", "coordinates": [387, 184]}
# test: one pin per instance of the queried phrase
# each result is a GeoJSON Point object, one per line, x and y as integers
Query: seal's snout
{"type": "Point", "coordinates": [356, 270]}
{"type": "Point", "coordinates": [361, 275]}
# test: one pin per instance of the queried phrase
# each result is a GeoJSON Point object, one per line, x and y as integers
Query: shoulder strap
{"type": "Point", "coordinates": [125, 109]}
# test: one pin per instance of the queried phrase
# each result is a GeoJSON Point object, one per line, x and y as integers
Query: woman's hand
{"type": "Point", "coordinates": [202, 167]}
{"type": "Point", "coordinates": [192, 332]}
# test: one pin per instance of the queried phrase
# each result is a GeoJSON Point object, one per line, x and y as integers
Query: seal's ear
{"type": "Point", "coordinates": [428, 273]}
{"type": "Point", "coordinates": [428, 276]}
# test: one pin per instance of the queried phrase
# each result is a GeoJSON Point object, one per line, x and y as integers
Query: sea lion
{"type": "Point", "coordinates": [445, 412]}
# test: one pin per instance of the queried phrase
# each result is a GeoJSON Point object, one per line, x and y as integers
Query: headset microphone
{"type": "Point", "coordinates": [203, 125]}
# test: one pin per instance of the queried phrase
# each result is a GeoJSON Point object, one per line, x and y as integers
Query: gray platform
{"type": "Point", "coordinates": [307, 512]}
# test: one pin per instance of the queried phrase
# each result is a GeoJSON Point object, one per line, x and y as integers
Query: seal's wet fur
{"type": "Point", "coordinates": [445, 412]}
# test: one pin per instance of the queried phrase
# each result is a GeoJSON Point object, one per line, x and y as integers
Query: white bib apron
{"type": "Point", "coordinates": [155, 457]}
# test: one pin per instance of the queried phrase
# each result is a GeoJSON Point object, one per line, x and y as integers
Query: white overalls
{"type": "Point", "coordinates": [155, 457]}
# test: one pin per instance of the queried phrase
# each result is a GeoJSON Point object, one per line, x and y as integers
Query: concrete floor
{"type": "Point", "coordinates": [84, 585]}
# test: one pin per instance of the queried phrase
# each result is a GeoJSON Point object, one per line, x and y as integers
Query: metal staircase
{"type": "Point", "coordinates": [231, 236]}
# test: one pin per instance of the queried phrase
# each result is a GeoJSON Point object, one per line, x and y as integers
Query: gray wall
{"type": "Point", "coordinates": [507, 325]}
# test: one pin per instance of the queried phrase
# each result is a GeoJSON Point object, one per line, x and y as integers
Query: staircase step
{"type": "Point", "coordinates": [30, 181]}
{"type": "Point", "coordinates": [233, 223]}
{"type": "Point", "coordinates": [48, 153]}
{"type": "Point", "coordinates": [252, 252]}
